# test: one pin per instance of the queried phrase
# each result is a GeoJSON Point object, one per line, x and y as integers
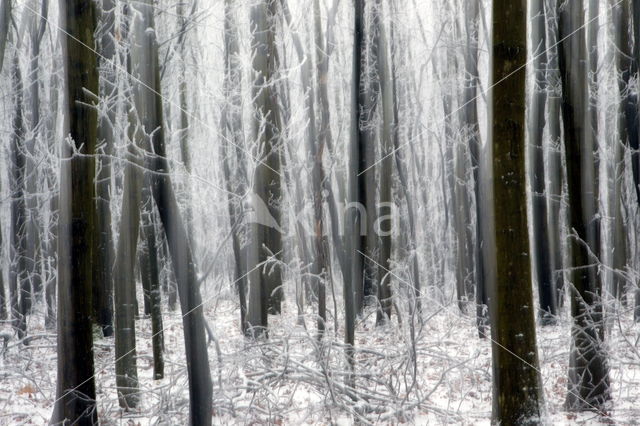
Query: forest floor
{"type": "Point", "coordinates": [292, 379]}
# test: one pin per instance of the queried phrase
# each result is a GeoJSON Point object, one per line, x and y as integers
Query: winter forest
{"type": "Point", "coordinates": [319, 212]}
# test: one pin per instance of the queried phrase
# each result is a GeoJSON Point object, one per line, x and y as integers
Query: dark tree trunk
{"type": "Point", "coordinates": [386, 207]}
{"type": "Point", "coordinates": [124, 275]}
{"type": "Point", "coordinates": [541, 246]}
{"type": "Point", "coordinates": [266, 250]}
{"type": "Point", "coordinates": [51, 250]}
{"type": "Point", "coordinates": [517, 385]}
{"type": "Point", "coordinates": [234, 156]}
{"type": "Point", "coordinates": [152, 272]}
{"type": "Point", "coordinates": [588, 367]}
{"type": "Point", "coordinates": [191, 305]}
{"type": "Point", "coordinates": [75, 395]}
{"type": "Point", "coordinates": [369, 97]}
{"type": "Point", "coordinates": [555, 175]}
{"type": "Point", "coordinates": [320, 268]}
{"type": "Point", "coordinates": [632, 117]}
{"type": "Point", "coordinates": [472, 129]}
{"type": "Point", "coordinates": [355, 220]}
{"type": "Point", "coordinates": [623, 64]}
{"type": "Point", "coordinates": [33, 230]}
{"type": "Point", "coordinates": [19, 289]}
{"type": "Point", "coordinates": [104, 255]}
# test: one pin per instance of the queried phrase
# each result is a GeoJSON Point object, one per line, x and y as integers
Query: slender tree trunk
{"type": "Point", "coordinates": [18, 284]}
{"type": "Point", "coordinates": [184, 118]}
{"type": "Point", "coordinates": [632, 117]}
{"type": "Point", "coordinates": [5, 23]}
{"type": "Point", "coordinates": [104, 255]}
{"type": "Point", "coordinates": [461, 253]}
{"type": "Point", "coordinates": [266, 277]}
{"type": "Point", "coordinates": [541, 246]}
{"type": "Point", "coordinates": [34, 230]}
{"type": "Point", "coordinates": [472, 127]}
{"type": "Point", "coordinates": [355, 220]}
{"type": "Point", "coordinates": [401, 167]}
{"type": "Point", "coordinates": [234, 155]}
{"type": "Point", "coordinates": [3, 297]}
{"type": "Point", "coordinates": [554, 159]}
{"type": "Point", "coordinates": [124, 275]}
{"type": "Point", "coordinates": [75, 395]}
{"type": "Point", "coordinates": [51, 252]}
{"type": "Point", "coordinates": [517, 385]}
{"type": "Point", "coordinates": [386, 206]}
{"type": "Point", "coordinates": [588, 368]}
{"type": "Point", "coordinates": [623, 65]}
{"type": "Point", "coordinates": [368, 98]}
{"type": "Point", "coordinates": [148, 235]}
{"type": "Point", "coordinates": [199, 373]}
{"type": "Point", "coordinates": [5, 19]}
{"type": "Point", "coordinates": [317, 145]}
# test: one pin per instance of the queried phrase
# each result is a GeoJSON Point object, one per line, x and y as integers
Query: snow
{"type": "Point", "coordinates": [282, 380]}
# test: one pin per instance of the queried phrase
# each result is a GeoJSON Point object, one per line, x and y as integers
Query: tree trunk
{"type": "Point", "coordinates": [124, 276]}
{"type": "Point", "coordinates": [623, 64]}
{"type": "Point", "coordinates": [517, 385]}
{"type": "Point", "coordinates": [320, 269]}
{"type": "Point", "coordinates": [184, 118]}
{"type": "Point", "coordinates": [5, 19]}
{"type": "Point", "coordinates": [152, 271]}
{"type": "Point", "coordinates": [355, 220]}
{"type": "Point", "coordinates": [588, 368]}
{"type": "Point", "coordinates": [555, 176]}
{"type": "Point", "coordinates": [236, 182]}
{"type": "Point", "coordinates": [386, 206]}
{"type": "Point", "coordinates": [264, 262]}
{"type": "Point", "coordinates": [75, 394]}
{"type": "Point", "coordinates": [104, 255]}
{"type": "Point", "coordinates": [401, 165]}
{"type": "Point", "coordinates": [33, 230]}
{"type": "Point", "coordinates": [199, 373]}
{"type": "Point", "coordinates": [541, 247]}
{"type": "Point", "coordinates": [472, 128]}
{"type": "Point", "coordinates": [18, 284]}
{"type": "Point", "coordinates": [5, 23]}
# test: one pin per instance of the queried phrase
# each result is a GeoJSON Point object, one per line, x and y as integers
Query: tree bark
{"type": "Point", "coordinates": [386, 207]}
{"type": "Point", "coordinates": [234, 157]}
{"type": "Point", "coordinates": [472, 128]}
{"type": "Point", "coordinates": [5, 19]}
{"type": "Point", "coordinates": [317, 145]}
{"type": "Point", "coordinates": [556, 225]}
{"type": "Point", "coordinates": [33, 228]}
{"type": "Point", "coordinates": [18, 284]}
{"type": "Point", "coordinates": [541, 246]}
{"type": "Point", "coordinates": [266, 251]}
{"type": "Point", "coordinates": [517, 385]}
{"type": "Point", "coordinates": [623, 65]}
{"type": "Point", "coordinates": [352, 287]}
{"type": "Point", "coordinates": [124, 276]}
{"type": "Point", "coordinates": [75, 394]}
{"type": "Point", "coordinates": [152, 271]}
{"type": "Point", "coordinates": [199, 373]}
{"type": "Point", "coordinates": [588, 369]}
{"type": "Point", "coordinates": [104, 255]}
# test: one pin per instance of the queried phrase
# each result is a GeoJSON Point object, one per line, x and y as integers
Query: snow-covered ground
{"type": "Point", "coordinates": [292, 379]}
